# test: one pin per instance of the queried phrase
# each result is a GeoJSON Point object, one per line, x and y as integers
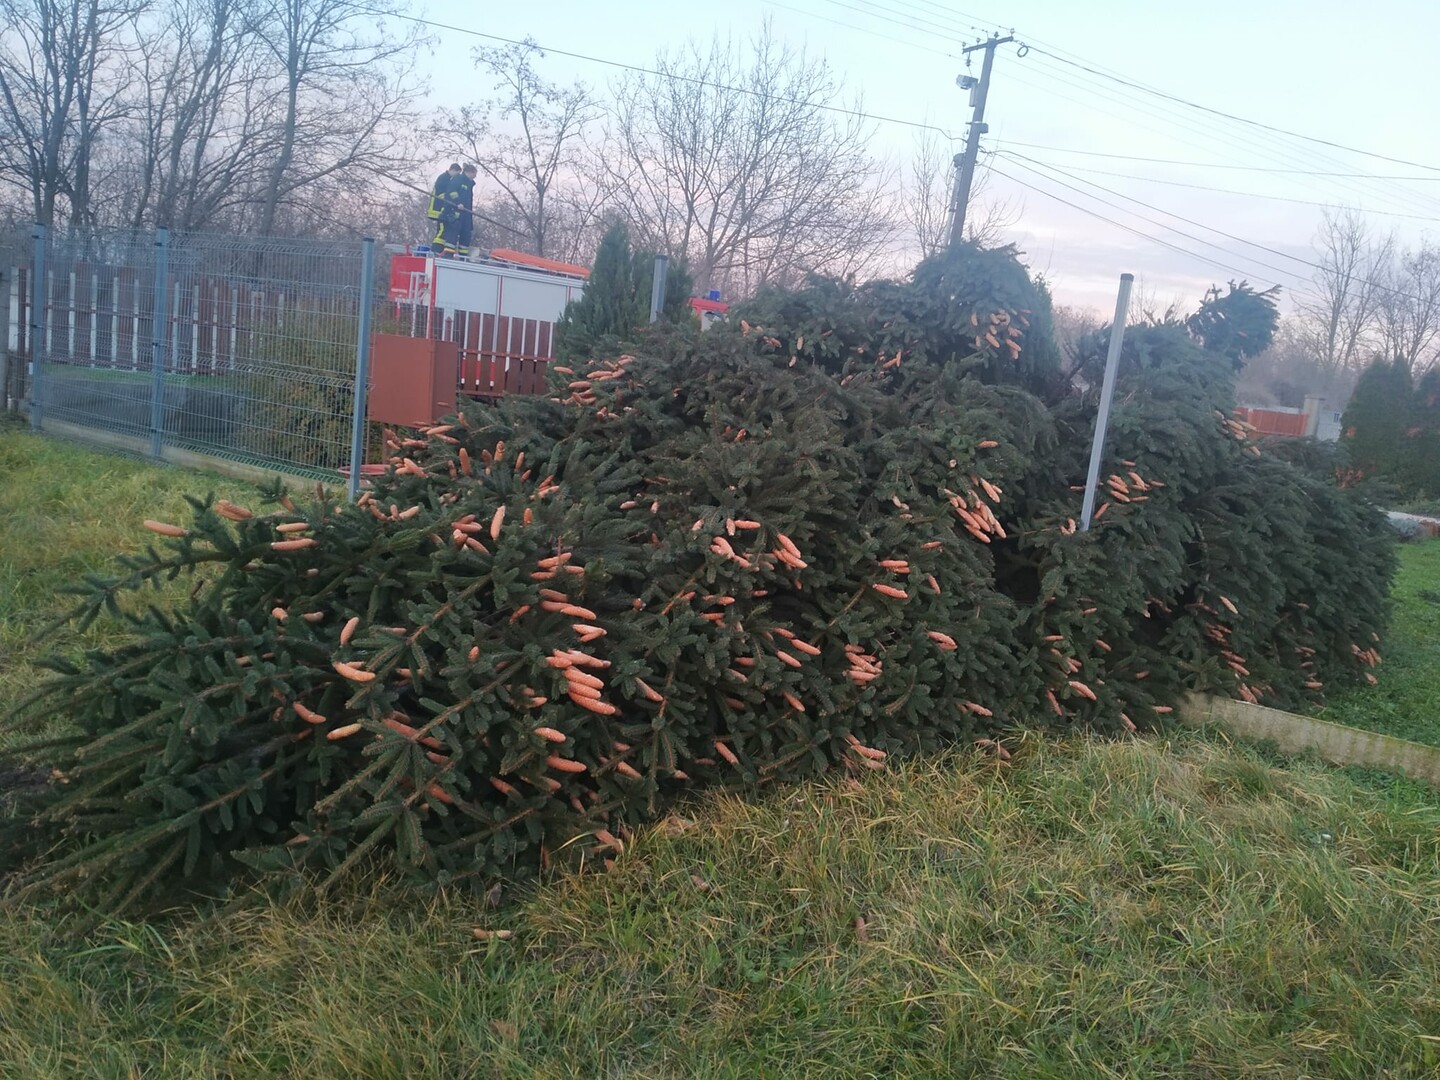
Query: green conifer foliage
{"type": "Point", "coordinates": [1423, 436]}
{"type": "Point", "coordinates": [616, 301]}
{"type": "Point", "coordinates": [1237, 324]}
{"type": "Point", "coordinates": [1391, 429]}
{"type": "Point", "coordinates": [840, 532]}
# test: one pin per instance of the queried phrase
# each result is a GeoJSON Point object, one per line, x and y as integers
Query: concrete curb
{"type": "Point", "coordinates": [1295, 734]}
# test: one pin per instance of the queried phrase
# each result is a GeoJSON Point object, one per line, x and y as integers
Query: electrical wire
{"type": "Point", "coordinates": [1219, 190]}
{"type": "Point", "coordinates": [1170, 228]}
{"type": "Point", "coordinates": [1127, 228]}
{"type": "Point", "coordinates": [638, 69]}
{"type": "Point", "coordinates": [1166, 130]}
{"type": "Point", "coordinates": [914, 20]}
{"type": "Point", "coordinates": [1022, 160]}
{"type": "Point", "coordinates": [1256, 145]}
{"type": "Point", "coordinates": [1232, 116]}
{"type": "Point", "coordinates": [1215, 165]}
{"type": "Point", "coordinates": [878, 118]}
{"type": "Point", "coordinates": [851, 26]}
{"type": "Point", "coordinates": [905, 19]}
{"type": "Point", "coordinates": [1197, 224]}
{"type": "Point", "coordinates": [1369, 190]}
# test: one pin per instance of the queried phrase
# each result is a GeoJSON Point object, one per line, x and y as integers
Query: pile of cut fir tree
{"type": "Point", "coordinates": [841, 529]}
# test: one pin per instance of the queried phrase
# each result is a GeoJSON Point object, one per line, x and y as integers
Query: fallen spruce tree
{"type": "Point", "coordinates": [755, 554]}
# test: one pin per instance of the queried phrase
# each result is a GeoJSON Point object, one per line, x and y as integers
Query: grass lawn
{"type": "Point", "coordinates": [1147, 908]}
{"type": "Point", "coordinates": [1406, 701]}
{"type": "Point", "coordinates": [66, 511]}
{"type": "Point", "coordinates": [1095, 910]}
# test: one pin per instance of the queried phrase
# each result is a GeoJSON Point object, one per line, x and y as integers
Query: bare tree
{"type": "Point", "coordinates": [61, 87]}
{"type": "Point", "coordinates": [192, 158]}
{"type": "Point", "coordinates": [243, 114]}
{"type": "Point", "coordinates": [1342, 316]}
{"type": "Point", "coordinates": [1072, 325]}
{"type": "Point", "coordinates": [337, 107]}
{"type": "Point", "coordinates": [1291, 370]}
{"type": "Point", "coordinates": [927, 193]}
{"type": "Point", "coordinates": [990, 216]}
{"type": "Point", "coordinates": [1409, 307]}
{"type": "Point", "coordinates": [730, 159]}
{"type": "Point", "coordinates": [1146, 305]}
{"type": "Point", "coordinates": [524, 141]}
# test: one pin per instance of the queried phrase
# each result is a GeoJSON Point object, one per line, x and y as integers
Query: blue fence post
{"type": "Point", "coordinates": [362, 365]}
{"type": "Point", "coordinates": [158, 340]}
{"type": "Point", "coordinates": [38, 296]}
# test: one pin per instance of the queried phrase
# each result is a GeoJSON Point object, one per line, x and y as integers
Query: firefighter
{"type": "Point", "coordinates": [465, 204]}
{"type": "Point", "coordinates": [441, 210]}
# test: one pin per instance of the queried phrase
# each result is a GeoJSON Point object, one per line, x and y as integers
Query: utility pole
{"type": "Point", "coordinates": [965, 162]}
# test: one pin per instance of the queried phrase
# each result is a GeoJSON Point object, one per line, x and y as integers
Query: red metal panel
{"type": "Point", "coordinates": [242, 323]}
{"type": "Point", "coordinates": [488, 377]}
{"type": "Point", "coordinates": [412, 380]}
{"type": "Point", "coordinates": [406, 272]}
{"type": "Point", "coordinates": [62, 316]}
{"type": "Point", "coordinates": [470, 352]}
{"type": "Point", "coordinates": [224, 299]}
{"type": "Point", "coordinates": [526, 375]}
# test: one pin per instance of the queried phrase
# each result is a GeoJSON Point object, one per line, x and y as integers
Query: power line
{"type": "Point", "coordinates": [1064, 56]}
{"type": "Point", "coordinates": [1213, 164]}
{"type": "Point", "coordinates": [908, 17]}
{"type": "Point", "coordinates": [1231, 116]}
{"type": "Point", "coordinates": [1261, 146]}
{"type": "Point", "coordinates": [1121, 225]}
{"type": "Point", "coordinates": [1404, 200]}
{"type": "Point", "coordinates": [854, 113]}
{"type": "Point", "coordinates": [1220, 190]}
{"type": "Point", "coordinates": [1166, 128]}
{"type": "Point", "coordinates": [1200, 225]}
{"type": "Point", "coordinates": [1163, 225]}
{"type": "Point", "coordinates": [851, 26]}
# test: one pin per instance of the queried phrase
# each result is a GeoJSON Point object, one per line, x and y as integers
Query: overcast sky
{"type": "Point", "coordinates": [1358, 75]}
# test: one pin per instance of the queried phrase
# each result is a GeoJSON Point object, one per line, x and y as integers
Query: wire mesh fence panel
{"type": "Point", "coordinates": [239, 347]}
{"type": "Point", "coordinates": [262, 358]}
{"type": "Point", "coordinates": [93, 297]}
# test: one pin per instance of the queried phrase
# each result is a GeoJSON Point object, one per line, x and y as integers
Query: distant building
{"type": "Point", "coordinates": [1315, 419]}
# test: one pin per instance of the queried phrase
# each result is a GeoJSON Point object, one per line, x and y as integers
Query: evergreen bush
{"type": "Point", "coordinates": [1391, 429]}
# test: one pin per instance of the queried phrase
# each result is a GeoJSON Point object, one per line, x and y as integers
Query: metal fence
{"type": "Point", "coordinates": [243, 348]}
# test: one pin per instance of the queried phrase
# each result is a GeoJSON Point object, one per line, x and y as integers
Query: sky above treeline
{"type": "Point", "coordinates": [1107, 175]}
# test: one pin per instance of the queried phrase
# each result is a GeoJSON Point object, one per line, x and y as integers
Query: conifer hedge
{"type": "Point", "coordinates": [838, 532]}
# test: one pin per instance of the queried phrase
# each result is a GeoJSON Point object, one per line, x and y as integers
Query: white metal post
{"type": "Point", "coordinates": [1107, 392]}
{"type": "Point", "coordinates": [362, 365]}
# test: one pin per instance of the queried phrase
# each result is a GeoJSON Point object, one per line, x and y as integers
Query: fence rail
{"type": "Point", "coordinates": [243, 348]}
